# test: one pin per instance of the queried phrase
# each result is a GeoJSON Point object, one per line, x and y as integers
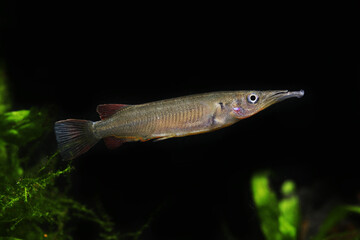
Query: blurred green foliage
{"type": "Point", "coordinates": [5, 102]}
{"type": "Point", "coordinates": [31, 204]}
{"type": "Point", "coordinates": [334, 217]}
{"type": "Point", "coordinates": [280, 218]}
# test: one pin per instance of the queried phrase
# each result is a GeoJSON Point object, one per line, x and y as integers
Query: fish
{"type": "Point", "coordinates": [163, 119]}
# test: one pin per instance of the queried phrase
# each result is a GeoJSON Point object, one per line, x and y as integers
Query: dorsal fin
{"type": "Point", "coordinates": [107, 110]}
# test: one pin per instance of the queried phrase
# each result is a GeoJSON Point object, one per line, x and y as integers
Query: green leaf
{"type": "Point", "coordinates": [23, 126]}
{"type": "Point", "coordinates": [289, 217]}
{"type": "Point", "coordinates": [335, 216]}
{"type": "Point", "coordinates": [267, 206]}
{"type": "Point", "coordinates": [279, 219]}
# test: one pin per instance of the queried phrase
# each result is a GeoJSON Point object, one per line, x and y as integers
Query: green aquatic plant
{"type": "Point", "coordinates": [32, 206]}
{"type": "Point", "coordinates": [335, 216]}
{"type": "Point", "coordinates": [279, 219]}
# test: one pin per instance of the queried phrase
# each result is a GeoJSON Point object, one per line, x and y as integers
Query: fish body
{"type": "Point", "coordinates": [176, 117]}
{"type": "Point", "coordinates": [168, 118]}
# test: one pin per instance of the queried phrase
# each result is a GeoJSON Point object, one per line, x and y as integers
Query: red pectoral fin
{"type": "Point", "coordinates": [107, 110]}
{"type": "Point", "coordinates": [113, 142]}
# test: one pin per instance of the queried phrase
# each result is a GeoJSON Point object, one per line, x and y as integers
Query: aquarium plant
{"type": "Point", "coordinates": [31, 204]}
{"type": "Point", "coordinates": [280, 218]}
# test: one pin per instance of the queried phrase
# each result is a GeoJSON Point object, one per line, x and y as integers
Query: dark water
{"type": "Point", "coordinates": [75, 58]}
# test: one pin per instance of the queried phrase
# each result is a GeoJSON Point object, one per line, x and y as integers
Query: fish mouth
{"type": "Point", "coordinates": [281, 95]}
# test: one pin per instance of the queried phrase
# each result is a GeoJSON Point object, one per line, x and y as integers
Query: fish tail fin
{"type": "Point", "coordinates": [74, 137]}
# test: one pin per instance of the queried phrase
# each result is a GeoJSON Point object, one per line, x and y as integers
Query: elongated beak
{"type": "Point", "coordinates": [280, 95]}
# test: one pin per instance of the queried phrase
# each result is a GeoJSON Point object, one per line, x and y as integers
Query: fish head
{"type": "Point", "coordinates": [248, 103]}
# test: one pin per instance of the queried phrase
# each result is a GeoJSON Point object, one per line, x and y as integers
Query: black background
{"type": "Point", "coordinates": [76, 56]}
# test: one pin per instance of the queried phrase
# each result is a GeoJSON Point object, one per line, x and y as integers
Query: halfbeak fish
{"type": "Point", "coordinates": [160, 120]}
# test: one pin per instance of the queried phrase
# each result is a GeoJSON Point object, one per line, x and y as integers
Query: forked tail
{"type": "Point", "coordinates": [74, 137]}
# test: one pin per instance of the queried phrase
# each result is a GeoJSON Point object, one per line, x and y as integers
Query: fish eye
{"type": "Point", "coordinates": [252, 98]}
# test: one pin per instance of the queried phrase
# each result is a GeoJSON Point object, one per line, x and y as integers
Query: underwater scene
{"type": "Point", "coordinates": [276, 161]}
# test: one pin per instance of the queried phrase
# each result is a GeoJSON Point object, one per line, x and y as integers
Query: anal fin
{"type": "Point", "coordinates": [113, 142]}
